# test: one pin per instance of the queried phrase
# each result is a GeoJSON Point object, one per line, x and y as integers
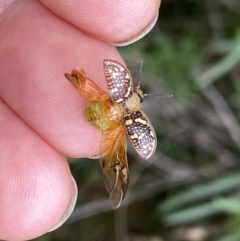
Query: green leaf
{"type": "Point", "coordinates": [220, 68]}
{"type": "Point", "coordinates": [200, 192]}
{"type": "Point", "coordinates": [229, 205]}
{"type": "Point", "coordinates": [191, 214]}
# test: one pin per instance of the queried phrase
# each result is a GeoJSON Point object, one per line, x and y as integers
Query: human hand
{"type": "Point", "coordinates": [41, 114]}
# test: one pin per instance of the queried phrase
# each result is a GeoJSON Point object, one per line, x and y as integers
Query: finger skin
{"type": "Point", "coordinates": [41, 114]}
{"type": "Point", "coordinates": [35, 181]}
{"type": "Point", "coordinates": [36, 51]}
{"type": "Point", "coordinates": [109, 20]}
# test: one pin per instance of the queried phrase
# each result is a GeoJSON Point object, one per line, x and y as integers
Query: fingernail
{"type": "Point", "coordinates": [70, 207]}
{"type": "Point", "coordinates": [139, 35]}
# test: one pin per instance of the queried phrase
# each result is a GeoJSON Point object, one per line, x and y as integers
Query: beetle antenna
{"type": "Point", "coordinates": [160, 95]}
{"type": "Point", "coordinates": [140, 74]}
{"type": "Point", "coordinates": [139, 83]}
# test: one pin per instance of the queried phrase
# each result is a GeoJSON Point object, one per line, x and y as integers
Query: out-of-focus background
{"type": "Point", "coordinates": [190, 189]}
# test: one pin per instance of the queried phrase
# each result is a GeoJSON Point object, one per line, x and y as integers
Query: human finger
{"type": "Point", "coordinates": [36, 51]}
{"type": "Point", "coordinates": [37, 190]}
{"type": "Point", "coordinates": [118, 22]}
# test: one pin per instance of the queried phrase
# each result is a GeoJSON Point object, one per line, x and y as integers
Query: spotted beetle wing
{"type": "Point", "coordinates": [140, 133]}
{"type": "Point", "coordinates": [119, 81]}
{"type": "Point", "coordinates": [114, 164]}
{"type": "Point", "coordinates": [86, 87]}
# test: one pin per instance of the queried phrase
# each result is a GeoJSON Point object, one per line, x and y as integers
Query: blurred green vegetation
{"type": "Point", "coordinates": [190, 189]}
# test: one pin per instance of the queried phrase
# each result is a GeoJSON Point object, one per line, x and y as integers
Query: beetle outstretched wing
{"type": "Point", "coordinates": [86, 87]}
{"type": "Point", "coordinates": [114, 164]}
{"type": "Point", "coordinates": [140, 133]}
{"type": "Point", "coordinates": [119, 81]}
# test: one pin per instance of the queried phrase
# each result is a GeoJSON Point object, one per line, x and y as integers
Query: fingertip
{"type": "Point", "coordinates": [36, 184]}
{"type": "Point", "coordinates": [34, 85]}
{"type": "Point", "coordinates": [38, 91]}
{"type": "Point", "coordinates": [111, 21]}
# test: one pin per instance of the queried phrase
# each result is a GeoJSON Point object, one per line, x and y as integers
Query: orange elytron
{"type": "Point", "coordinates": [116, 114]}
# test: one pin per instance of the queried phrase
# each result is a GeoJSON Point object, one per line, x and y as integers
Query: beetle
{"type": "Point", "coordinates": [117, 114]}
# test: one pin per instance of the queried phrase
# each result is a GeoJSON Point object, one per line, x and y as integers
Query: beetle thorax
{"type": "Point", "coordinates": [133, 103]}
